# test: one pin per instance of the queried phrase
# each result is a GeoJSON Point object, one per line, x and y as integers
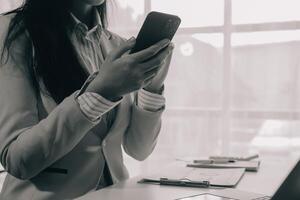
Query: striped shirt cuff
{"type": "Point", "coordinates": [150, 101]}
{"type": "Point", "coordinates": [94, 105]}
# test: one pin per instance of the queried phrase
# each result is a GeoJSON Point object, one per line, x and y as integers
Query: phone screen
{"type": "Point", "coordinates": [205, 197]}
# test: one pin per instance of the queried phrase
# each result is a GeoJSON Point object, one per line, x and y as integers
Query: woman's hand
{"type": "Point", "coordinates": [156, 84]}
{"type": "Point", "coordinates": [123, 73]}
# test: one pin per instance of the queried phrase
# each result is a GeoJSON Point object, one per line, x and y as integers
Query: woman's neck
{"type": "Point", "coordinates": [83, 12]}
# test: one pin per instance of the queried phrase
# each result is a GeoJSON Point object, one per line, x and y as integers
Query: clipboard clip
{"type": "Point", "coordinates": [184, 183]}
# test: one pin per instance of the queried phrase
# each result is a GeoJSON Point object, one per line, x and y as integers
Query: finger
{"type": "Point", "coordinates": [172, 45]}
{"type": "Point", "coordinates": [169, 58]}
{"type": "Point", "coordinates": [122, 49]}
{"type": "Point", "coordinates": [150, 51]}
{"type": "Point", "coordinates": [126, 53]}
{"type": "Point", "coordinates": [158, 60]}
{"type": "Point", "coordinates": [148, 80]}
{"type": "Point", "coordinates": [151, 72]}
{"type": "Point", "coordinates": [145, 68]}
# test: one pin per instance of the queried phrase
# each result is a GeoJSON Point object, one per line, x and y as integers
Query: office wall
{"type": "Point", "coordinates": [233, 85]}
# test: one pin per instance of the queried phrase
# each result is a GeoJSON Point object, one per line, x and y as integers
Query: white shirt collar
{"type": "Point", "coordinates": [78, 25]}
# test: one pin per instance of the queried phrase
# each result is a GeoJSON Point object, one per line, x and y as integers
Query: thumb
{"type": "Point", "coordinates": [122, 49]}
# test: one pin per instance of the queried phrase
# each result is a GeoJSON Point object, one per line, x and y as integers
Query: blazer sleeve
{"type": "Point", "coordinates": [141, 136]}
{"type": "Point", "coordinates": [28, 145]}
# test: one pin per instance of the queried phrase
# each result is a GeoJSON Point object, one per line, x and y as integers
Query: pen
{"type": "Point", "coordinates": [172, 182]}
{"type": "Point", "coordinates": [212, 161]}
{"type": "Point", "coordinates": [251, 157]}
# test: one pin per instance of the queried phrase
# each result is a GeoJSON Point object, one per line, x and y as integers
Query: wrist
{"type": "Point", "coordinates": [105, 93]}
{"type": "Point", "coordinates": [156, 89]}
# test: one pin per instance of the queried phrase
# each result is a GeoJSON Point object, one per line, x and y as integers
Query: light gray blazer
{"type": "Point", "coordinates": [52, 151]}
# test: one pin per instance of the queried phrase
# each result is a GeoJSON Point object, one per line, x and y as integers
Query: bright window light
{"type": "Point", "coordinates": [258, 11]}
{"type": "Point", "coordinates": [134, 7]}
{"type": "Point", "coordinates": [239, 39]}
{"type": "Point", "coordinates": [214, 39]}
{"type": "Point", "coordinates": [6, 5]}
{"type": "Point", "coordinates": [193, 12]}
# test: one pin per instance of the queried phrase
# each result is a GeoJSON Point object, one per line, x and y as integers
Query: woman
{"type": "Point", "coordinates": [71, 96]}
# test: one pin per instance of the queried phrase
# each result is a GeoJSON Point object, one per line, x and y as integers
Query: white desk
{"type": "Point", "coordinates": [266, 181]}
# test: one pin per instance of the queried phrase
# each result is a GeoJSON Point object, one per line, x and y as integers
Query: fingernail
{"type": "Point", "coordinates": [131, 39]}
{"type": "Point", "coordinates": [166, 41]}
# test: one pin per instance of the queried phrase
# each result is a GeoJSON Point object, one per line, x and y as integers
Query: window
{"type": "Point", "coordinates": [233, 79]}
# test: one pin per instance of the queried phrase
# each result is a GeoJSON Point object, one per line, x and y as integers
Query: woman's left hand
{"type": "Point", "coordinates": [155, 85]}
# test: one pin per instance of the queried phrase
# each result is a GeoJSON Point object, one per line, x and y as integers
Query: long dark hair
{"type": "Point", "coordinates": [55, 60]}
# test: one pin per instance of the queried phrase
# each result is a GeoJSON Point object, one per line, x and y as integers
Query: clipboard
{"type": "Point", "coordinates": [195, 177]}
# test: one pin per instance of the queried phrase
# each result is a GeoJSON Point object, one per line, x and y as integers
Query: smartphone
{"type": "Point", "coordinates": [156, 27]}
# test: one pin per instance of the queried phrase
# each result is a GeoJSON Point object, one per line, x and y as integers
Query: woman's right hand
{"type": "Point", "coordinates": [123, 73]}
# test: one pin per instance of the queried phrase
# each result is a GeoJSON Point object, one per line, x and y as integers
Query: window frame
{"type": "Point", "coordinates": [226, 112]}
{"type": "Point", "coordinates": [227, 29]}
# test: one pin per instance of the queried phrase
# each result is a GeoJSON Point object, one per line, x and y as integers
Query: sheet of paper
{"type": "Point", "coordinates": [237, 194]}
{"type": "Point", "coordinates": [227, 194]}
{"type": "Point", "coordinates": [205, 197]}
{"type": "Point", "coordinates": [222, 177]}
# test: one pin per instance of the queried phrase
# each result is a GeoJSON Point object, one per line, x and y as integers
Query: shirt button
{"type": "Point", "coordinates": [103, 143]}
